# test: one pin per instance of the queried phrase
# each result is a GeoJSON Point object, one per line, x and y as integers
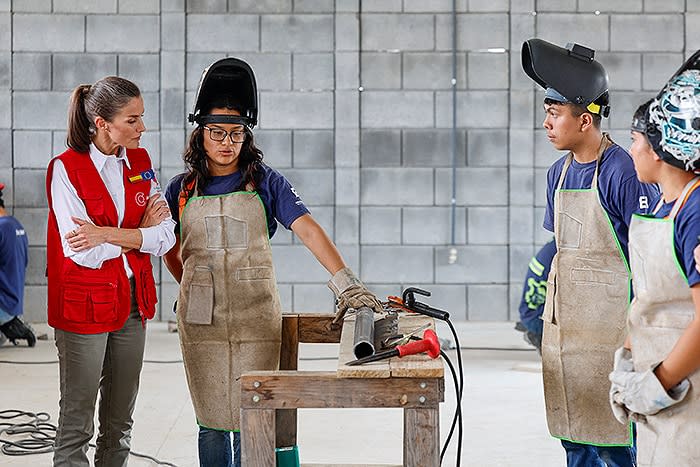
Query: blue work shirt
{"type": "Point", "coordinates": [620, 192]}
{"type": "Point", "coordinates": [281, 201]}
{"type": "Point", "coordinates": [13, 264]}
{"type": "Point", "coordinates": [686, 229]}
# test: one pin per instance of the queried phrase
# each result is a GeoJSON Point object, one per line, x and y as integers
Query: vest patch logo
{"type": "Point", "coordinates": [140, 198]}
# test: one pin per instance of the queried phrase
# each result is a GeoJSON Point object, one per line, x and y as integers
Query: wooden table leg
{"type": "Point", "coordinates": [258, 437]}
{"type": "Point", "coordinates": [421, 437]}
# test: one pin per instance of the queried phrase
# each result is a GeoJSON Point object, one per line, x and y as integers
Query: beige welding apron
{"type": "Point", "coordinates": [584, 317]}
{"type": "Point", "coordinates": [228, 312]}
{"type": "Point", "coordinates": [661, 310]}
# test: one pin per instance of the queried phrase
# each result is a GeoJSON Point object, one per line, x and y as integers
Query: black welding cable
{"type": "Point", "coordinates": [459, 388]}
{"type": "Point", "coordinates": [39, 435]}
{"type": "Point", "coordinates": [458, 410]}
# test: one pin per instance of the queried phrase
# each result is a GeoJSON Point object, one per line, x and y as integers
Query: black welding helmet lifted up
{"type": "Point", "coordinates": [571, 71]}
{"type": "Point", "coordinates": [227, 77]}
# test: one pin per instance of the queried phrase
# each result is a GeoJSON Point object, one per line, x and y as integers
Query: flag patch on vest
{"type": "Point", "coordinates": [147, 175]}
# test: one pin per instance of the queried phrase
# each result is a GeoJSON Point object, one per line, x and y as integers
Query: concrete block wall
{"type": "Point", "coordinates": [355, 109]}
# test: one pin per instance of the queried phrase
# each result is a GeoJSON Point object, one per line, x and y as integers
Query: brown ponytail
{"type": "Point", "coordinates": [79, 125]}
{"type": "Point", "coordinates": [103, 99]}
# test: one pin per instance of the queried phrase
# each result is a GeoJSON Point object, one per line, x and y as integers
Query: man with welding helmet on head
{"type": "Point", "coordinates": [228, 204]}
{"type": "Point", "coordinates": [591, 195]}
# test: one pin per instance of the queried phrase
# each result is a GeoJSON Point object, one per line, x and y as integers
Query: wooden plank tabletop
{"type": "Point", "coordinates": [411, 366]}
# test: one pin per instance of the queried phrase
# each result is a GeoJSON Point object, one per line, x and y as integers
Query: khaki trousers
{"type": "Point", "coordinates": [108, 363]}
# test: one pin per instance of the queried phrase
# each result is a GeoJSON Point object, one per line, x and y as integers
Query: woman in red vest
{"type": "Point", "coordinates": [106, 219]}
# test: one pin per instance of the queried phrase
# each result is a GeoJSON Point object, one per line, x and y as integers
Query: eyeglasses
{"type": "Point", "coordinates": [219, 135]}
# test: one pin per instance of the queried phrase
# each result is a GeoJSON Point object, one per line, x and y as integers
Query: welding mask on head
{"type": "Point", "coordinates": [673, 118]}
{"type": "Point", "coordinates": [569, 75]}
{"type": "Point", "coordinates": [234, 79]}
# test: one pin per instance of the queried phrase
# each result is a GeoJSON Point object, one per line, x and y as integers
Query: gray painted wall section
{"type": "Point", "coordinates": [372, 164]}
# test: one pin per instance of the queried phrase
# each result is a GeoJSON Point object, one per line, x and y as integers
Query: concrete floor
{"type": "Point", "coordinates": [503, 408]}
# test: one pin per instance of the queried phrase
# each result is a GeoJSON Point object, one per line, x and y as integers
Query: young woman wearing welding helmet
{"type": "Point", "coordinates": [656, 379]}
{"type": "Point", "coordinates": [228, 203]}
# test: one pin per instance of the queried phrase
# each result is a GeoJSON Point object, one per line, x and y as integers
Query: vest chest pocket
{"type": "Point", "coordinates": [94, 205]}
{"type": "Point", "coordinates": [90, 304]}
{"type": "Point", "coordinates": [200, 303]}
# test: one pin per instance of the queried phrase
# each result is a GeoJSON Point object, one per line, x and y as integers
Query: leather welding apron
{"type": "Point", "coordinates": [661, 311]}
{"type": "Point", "coordinates": [584, 317]}
{"type": "Point", "coordinates": [228, 312]}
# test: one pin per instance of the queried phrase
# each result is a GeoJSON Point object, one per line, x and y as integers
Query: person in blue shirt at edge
{"type": "Point", "coordinates": [227, 204]}
{"type": "Point", "coordinates": [658, 365]}
{"type": "Point", "coordinates": [534, 294]}
{"type": "Point", "coordinates": [13, 264]}
{"type": "Point", "coordinates": [592, 193]}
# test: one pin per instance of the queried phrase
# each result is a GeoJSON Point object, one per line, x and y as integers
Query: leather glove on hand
{"type": "Point", "coordinates": [350, 292]}
{"type": "Point", "coordinates": [642, 393]}
{"type": "Point", "coordinates": [623, 363]}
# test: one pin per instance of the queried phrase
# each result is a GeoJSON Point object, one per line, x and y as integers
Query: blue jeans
{"type": "Point", "coordinates": [216, 449]}
{"type": "Point", "coordinates": [586, 455]}
{"type": "Point", "coordinates": [5, 317]}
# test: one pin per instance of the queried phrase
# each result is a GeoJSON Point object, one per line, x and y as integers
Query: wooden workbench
{"type": "Point", "coordinates": [269, 399]}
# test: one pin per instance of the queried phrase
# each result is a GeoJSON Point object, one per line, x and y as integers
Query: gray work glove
{"type": "Point", "coordinates": [623, 364]}
{"type": "Point", "coordinates": [350, 292]}
{"type": "Point", "coordinates": [642, 393]}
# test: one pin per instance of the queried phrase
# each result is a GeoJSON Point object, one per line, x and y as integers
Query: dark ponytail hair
{"type": "Point", "coordinates": [105, 99]}
{"type": "Point", "coordinates": [195, 157]}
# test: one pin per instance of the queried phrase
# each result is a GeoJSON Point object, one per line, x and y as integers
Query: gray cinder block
{"type": "Point", "coordinates": [381, 70]}
{"type": "Point", "coordinates": [380, 148]}
{"type": "Point", "coordinates": [475, 264]}
{"type": "Point", "coordinates": [487, 226]}
{"type": "Point", "coordinates": [405, 186]}
{"type": "Point", "coordinates": [432, 148]}
{"type": "Point", "coordinates": [405, 109]}
{"type": "Point", "coordinates": [52, 106]}
{"type": "Point", "coordinates": [309, 110]}
{"type": "Point", "coordinates": [647, 33]}
{"type": "Point", "coordinates": [70, 70]}
{"type": "Point", "coordinates": [432, 225]}
{"type": "Point", "coordinates": [207, 33]}
{"type": "Point", "coordinates": [31, 71]}
{"type": "Point", "coordinates": [380, 225]}
{"type": "Point", "coordinates": [144, 70]}
{"type": "Point", "coordinates": [390, 264]}
{"type": "Point", "coordinates": [476, 186]}
{"type": "Point", "coordinates": [309, 33]}
{"type": "Point", "coordinates": [433, 70]}
{"type": "Point", "coordinates": [397, 32]}
{"type": "Point", "coordinates": [60, 33]}
{"type": "Point", "coordinates": [137, 33]}
{"type": "Point", "coordinates": [487, 148]}
{"type": "Point", "coordinates": [487, 302]}
{"type": "Point", "coordinates": [313, 71]}
{"type": "Point", "coordinates": [591, 30]}
{"type": "Point", "coordinates": [32, 149]}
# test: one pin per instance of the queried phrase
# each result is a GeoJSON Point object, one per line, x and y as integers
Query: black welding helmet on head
{"type": "Point", "coordinates": [673, 118]}
{"type": "Point", "coordinates": [229, 77]}
{"type": "Point", "coordinates": [568, 75]}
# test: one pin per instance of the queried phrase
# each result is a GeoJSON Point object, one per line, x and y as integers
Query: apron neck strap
{"type": "Point", "coordinates": [605, 143]}
{"type": "Point", "coordinates": [689, 188]}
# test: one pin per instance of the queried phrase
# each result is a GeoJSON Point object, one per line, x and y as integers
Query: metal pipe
{"type": "Point", "coordinates": [363, 344]}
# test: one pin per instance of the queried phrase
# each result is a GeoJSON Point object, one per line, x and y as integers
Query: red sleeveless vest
{"type": "Point", "coordinates": [91, 301]}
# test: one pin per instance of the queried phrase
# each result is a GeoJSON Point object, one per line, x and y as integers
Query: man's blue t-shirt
{"type": "Point", "coordinates": [686, 231]}
{"type": "Point", "coordinates": [13, 264]}
{"type": "Point", "coordinates": [281, 201]}
{"type": "Point", "coordinates": [535, 287]}
{"type": "Point", "coordinates": [621, 193]}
